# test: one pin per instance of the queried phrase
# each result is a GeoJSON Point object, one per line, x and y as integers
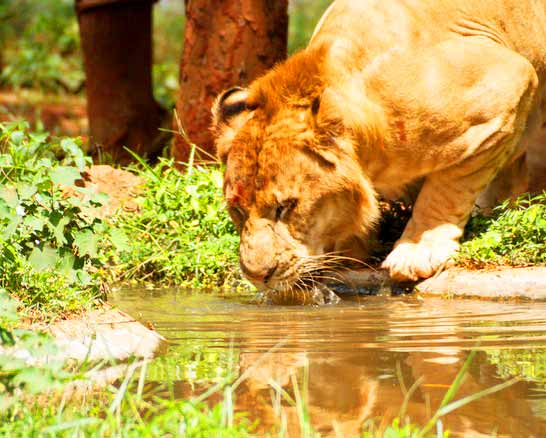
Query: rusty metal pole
{"type": "Point", "coordinates": [227, 43]}
{"type": "Point", "coordinates": [117, 47]}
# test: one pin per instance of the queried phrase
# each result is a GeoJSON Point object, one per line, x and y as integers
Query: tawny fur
{"type": "Point", "coordinates": [386, 93]}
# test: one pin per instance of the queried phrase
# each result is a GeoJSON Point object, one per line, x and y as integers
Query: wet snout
{"type": "Point", "coordinates": [257, 252]}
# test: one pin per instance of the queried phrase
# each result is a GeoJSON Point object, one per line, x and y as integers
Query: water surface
{"type": "Point", "coordinates": [354, 361]}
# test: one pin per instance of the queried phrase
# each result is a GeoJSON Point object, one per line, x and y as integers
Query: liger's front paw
{"type": "Point", "coordinates": [411, 261]}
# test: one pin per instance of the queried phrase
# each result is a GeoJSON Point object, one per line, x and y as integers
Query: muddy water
{"type": "Point", "coordinates": [353, 362]}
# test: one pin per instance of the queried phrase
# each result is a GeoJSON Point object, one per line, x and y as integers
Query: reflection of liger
{"type": "Point", "coordinates": [341, 394]}
{"type": "Point", "coordinates": [346, 389]}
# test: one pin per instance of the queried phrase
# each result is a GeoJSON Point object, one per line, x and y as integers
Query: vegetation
{"type": "Point", "coordinates": [41, 46]}
{"type": "Point", "coordinates": [123, 412]}
{"type": "Point", "coordinates": [114, 411]}
{"type": "Point", "coordinates": [49, 236]}
{"type": "Point", "coordinates": [168, 34]}
{"type": "Point", "coordinates": [181, 234]}
{"type": "Point", "coordinates": [57, 252]}
{"type": "Point", "coordinates": [25, 373]}
{"type": "Point", "coordinates": [304, 15]}
{"type": "Point", "coordinates": [514, 235]}
{"type": "Point", "coordinates": [528, 364]}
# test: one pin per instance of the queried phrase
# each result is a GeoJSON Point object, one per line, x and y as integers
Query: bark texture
{"type": "Point", "coordinates": [227, 43]}
{"type": "Point", "coordinates": [117, 48]}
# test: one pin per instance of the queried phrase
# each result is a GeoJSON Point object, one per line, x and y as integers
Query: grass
{"type": "Point", "coordinates": [57, 254]}
{"type": "Point", "coordinates": [50, 240]}
{"type": "Point", "coordinates": [182, 234]}
{"type": "Point", "coordinates": [515, 235]}
{"type": "Point", "coordinates": [127, 410]}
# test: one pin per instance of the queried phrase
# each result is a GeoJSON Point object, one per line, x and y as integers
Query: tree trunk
{"type": "Point", "coordinates": [117, 47]}
{"type": "Point", "coordinates": [227, 43]}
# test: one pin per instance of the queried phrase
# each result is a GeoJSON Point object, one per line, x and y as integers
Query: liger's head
{"type": "Point", "coordinates": [293, 183]}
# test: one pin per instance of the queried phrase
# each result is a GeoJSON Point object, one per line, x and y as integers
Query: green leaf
{"type": "Point", "coordinates": [8, 316]}
{"type": "Point", "coordinates": [87, 242]}
{"type": "Point", "coordinates": [74, 151]}
{"type": "Point", "coordinates": [34, 223]}
{"type": "Point", "coordinates": [60, 232]}
{"type": "Point", "coordinates": [6, 160]}
{"type": "Point", "coordinates": [100, 198]}
{"type": "Point", "coordinates": [11, 227]}
{"type": "Point", "coordinates": [119, 239]}
{"type": "Point", "coordinates": [83, 277]}
{"type": "Point", "coordinates": [25, 191]}
{"type": "Point", "coordinates": [34, 380]}
{"type": "Point", "coordinates": [44, 163]}
{"type": "Point", "coordinates": [9, 195]}
{"type": "Point", "coordinates": [5, 210]}
{"type": "Point", "coordinates": [17, 137]}
{"type": "Point", "coordinates": [65, 266]}
{"type": "Point", "coordinates": [66, 175]}
{"type": "Point", "coordinates": [6, 337]}
{"type": "Point", "coordinates": [41, 259]}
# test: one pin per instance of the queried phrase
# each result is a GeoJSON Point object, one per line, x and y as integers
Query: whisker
{"type": "Point", "coordinates": [327, 277]}
{"type": "Point", "coordinates": [330, 258]}
{"type": "Point", "coordinates": [335, 254]}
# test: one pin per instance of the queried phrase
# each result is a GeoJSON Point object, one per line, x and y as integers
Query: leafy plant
{"type": "Point", "coordinates": [168, 36]}
{"type": "Point", "coordinates": [23, 369]}
{"type": "Point", "coordinates": [181, 234]}
{"type": "Point", "coordinates": [165, 80]}
{"type": "Point", "coordinates": [514, 235]}
{"type": "Point", "coordinates": [44, 52]}
{"type": "Point", "coordinates": [49, 234]}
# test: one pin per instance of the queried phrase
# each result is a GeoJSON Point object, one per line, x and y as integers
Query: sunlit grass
{"type": "Point", "coordinates": [514, 235]}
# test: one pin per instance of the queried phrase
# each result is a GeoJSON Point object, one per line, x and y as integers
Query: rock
{"type": "Point", "coordinates": [105, 334]}
{"type": "Point", "coordinates": [529, 283]}
{"type": "Point", "coordinates": [499, 283]}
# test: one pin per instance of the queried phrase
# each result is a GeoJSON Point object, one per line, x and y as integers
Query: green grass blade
{"type": "Point", "coordinates": [469, 399]}
{"type": "Point", "coordinates": [458, 380]}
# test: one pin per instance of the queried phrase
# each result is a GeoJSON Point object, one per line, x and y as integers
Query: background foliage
{"type": "Point", "coordinates": [41, 45]}
{"type": "Point", "coordinates": [39, 41]}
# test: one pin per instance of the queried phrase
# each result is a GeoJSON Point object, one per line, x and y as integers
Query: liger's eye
{"type": "Point", "coordinates": [284, 209]}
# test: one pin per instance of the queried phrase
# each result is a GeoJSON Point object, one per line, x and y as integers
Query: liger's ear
{"type": "Point", "coordinates": [229, 104]}
{"type": "Point", "coordinates": [230, 112]}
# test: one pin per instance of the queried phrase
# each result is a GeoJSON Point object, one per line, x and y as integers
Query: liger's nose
{"type": "Point", "coordinates": [261, 274]}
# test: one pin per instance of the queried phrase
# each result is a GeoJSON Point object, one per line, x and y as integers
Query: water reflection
{"type": "Point", "coordinates": [355, 361]}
